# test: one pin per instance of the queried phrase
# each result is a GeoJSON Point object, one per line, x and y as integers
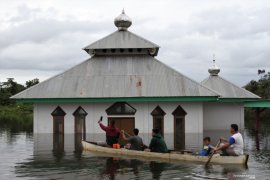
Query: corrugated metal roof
{"type": "Point", "coordinates": [117, 76]}
{"type": "Point", "coordinates": [226, 89]}
{"type": "Point", "coordinates": [121, 39]}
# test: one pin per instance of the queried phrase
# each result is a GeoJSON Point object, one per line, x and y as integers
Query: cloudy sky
{"type": "Point", "coordinates": [39, 39]}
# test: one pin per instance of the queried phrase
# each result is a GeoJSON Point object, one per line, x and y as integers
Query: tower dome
{"type": "Point", "coordinates": [214, 70]}
{"type": "Point", "coordinates": [122, 22]}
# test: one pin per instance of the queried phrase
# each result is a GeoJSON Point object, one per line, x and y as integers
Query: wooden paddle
{"type": "Point", "coordinates": [130, 136]}
{"type": "Point", "coordinates": [210, 157]}
{"type": "Point", "coordinates": [126, 133]}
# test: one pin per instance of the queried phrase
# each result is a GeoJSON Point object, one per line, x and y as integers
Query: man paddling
{"type": "Point", "coordinates": [234, 146]}
{"type": "Point", "coordinates": [112, 133]}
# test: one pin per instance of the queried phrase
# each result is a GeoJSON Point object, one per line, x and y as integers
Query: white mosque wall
{"type": "Point", "coordinates": [219, 116]}
{"type": "Point", "coordinates": [43, 120]}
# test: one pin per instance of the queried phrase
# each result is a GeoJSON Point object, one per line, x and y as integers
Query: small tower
{"type": "Point", "coordinates": [122, 22]}
{"type": "Point", "coordinates": [214, 70]}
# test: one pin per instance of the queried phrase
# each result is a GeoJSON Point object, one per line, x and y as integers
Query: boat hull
{"type": "Point", "coordinates": [216, 159]}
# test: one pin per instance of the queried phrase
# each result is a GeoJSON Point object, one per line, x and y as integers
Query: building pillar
{"type": "Point", "coordinates": [257, 119]}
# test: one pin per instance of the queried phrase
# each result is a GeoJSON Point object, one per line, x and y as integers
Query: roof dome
{"type": "Point", "coordinates": [214, 70]}
{"type": "Point", "coordinates": [122, 22]}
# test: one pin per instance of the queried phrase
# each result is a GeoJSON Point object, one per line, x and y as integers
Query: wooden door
{"type": "Point", "coordinates": [80, 127]}
{"type": "Point", "coordinates": [80, 124]}
{"type": "Point", "coordinates": [126, 124]}
{"type": "Point", "coordinates": [158, 123]}
{"type": "Point", "coordinates": [179, 133]}
{"type": "Point", "coordinates": [58, 124]}
{"type": "Point", "coordinates": [158, 119]}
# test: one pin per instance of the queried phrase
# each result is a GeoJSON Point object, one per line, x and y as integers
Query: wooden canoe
{"type": "Point", "coordinates": [173, 156]}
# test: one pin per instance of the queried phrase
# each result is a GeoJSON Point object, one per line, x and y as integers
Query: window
{"type": "Point", "coordinates": [79, 116]}
{"type": "Point", "coordinates": [58, 120]}
{"type": "Point", "coordinates": [158, 119]}
{"type": "Point", "coordinates": [121, 108]}
{"type": "Point", "coordinates": [179, 128]}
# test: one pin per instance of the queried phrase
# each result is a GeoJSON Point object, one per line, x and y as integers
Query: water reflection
{"type": "Point", "coordinates": [48, 156]}
{"type": "Point", "coordinates": [78, 142]}
{"type": "Point", "coordinates": [58, 146]}
{"type": "Point", "coordinates": [257, 140]}
{"type": "Point", "coordinates": [111, 167]}
{"type": "Point", "coordinates": [157, 168]}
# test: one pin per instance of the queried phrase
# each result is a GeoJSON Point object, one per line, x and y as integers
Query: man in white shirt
{"type": "Point", "coordinates": [235, 145]}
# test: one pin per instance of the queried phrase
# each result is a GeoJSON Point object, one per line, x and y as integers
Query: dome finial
{"type": "Point", "coordinates": [122, 22]}
{"type": "Point", "coordinates": [214, 70]}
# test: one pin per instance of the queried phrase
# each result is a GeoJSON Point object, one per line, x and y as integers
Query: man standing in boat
{"type": "Point", "coordinates": [157, 143]}
{"type": "Point", "coordinates": [136, 142]}
{"type": "Point", "coordinates": [234, 146]}
{"type": "Point", "coordinates": [112, 132]}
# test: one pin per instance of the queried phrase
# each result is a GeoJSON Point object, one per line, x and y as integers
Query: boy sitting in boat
{"type": "Point", "coordinates": [157, 143]}
{"type": "Point", "coordinates": [112, 132]}
{"type": "Point", "coordinates": [207, 147]}
{"type": "Point", "coordinates": [136, 142]}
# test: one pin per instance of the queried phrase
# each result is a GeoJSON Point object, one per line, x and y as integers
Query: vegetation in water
{"type": "Point", "coordinates": [15, 116]}
{"type": "Point", "coordinates": [261, 88]}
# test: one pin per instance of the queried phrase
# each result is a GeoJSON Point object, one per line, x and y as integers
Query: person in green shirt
{"type": "Point", "coordinates": [157, 143]}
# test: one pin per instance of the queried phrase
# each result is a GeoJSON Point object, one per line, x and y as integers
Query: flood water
{"type": "Point", "coordinates": [27, 156]}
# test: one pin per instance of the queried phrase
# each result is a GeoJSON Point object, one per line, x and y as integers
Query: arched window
{"type": "Point", "coordinates": [79, 117]}
{"type": "Point", "coordinates": [58, 120]}
{"type": "Point", "coordinates": [121, 108]}
{"type": "Point", "coordinates": [158, 119]}
{"type": "Point", "coordinates": [58, 131]}
{"type": "Point", "coordinates": [179, 128]}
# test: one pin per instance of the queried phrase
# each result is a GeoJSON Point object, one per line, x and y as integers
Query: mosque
{"type": "Point", "coordinates": [124, 81]}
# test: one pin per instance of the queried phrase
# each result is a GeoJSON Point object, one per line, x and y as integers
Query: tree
{"type": "Point", "coordinates": [262, 89]}
{"type": "Point", "coordinates": [10, 88]}
{"type": "Point", "coordinates": [31, 82]}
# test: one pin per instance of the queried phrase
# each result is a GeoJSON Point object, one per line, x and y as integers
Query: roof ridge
{"type": "Point", "coordinates": [143, 38]}
{"type": "Point", "coordinates": [189, 88]}
{"type": "Point", "coordinates": [231, 83]}
{"type": "Point", "coordinates": [90, 46]}
{"type": "Point", "coordinates": [39, 84]}
{"type": "Point", "coordinates": [186, 77]}
{"type": "Point", "coordinates": [100, 39]}
{"type": "Point", "coordinates": [237, 86]}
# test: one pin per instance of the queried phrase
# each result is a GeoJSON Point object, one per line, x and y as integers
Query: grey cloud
{"type": "Point", "coordinates": [40, 30]}
{"type": "Point", "coordinates": [46, 44]}
{"type": "Point", "coordinates": [240, 38]}
{"type": "Point", "coordinates": [233, 23]}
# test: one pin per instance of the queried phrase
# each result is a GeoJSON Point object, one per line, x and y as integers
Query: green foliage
{"type": "Point", "coordinates": [262, 89]}
{"type": "Point", "coordinates": [15, 116]}
{"type": "Point", "coordinates": [31, 82]}
{"type": "Point", "coordinates": [18, 117]}
{"type": "Point", "coordinates": [9, 88]}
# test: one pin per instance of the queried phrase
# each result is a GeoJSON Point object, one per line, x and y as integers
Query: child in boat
{"type": "Point", "coordinates": [207, 147]}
